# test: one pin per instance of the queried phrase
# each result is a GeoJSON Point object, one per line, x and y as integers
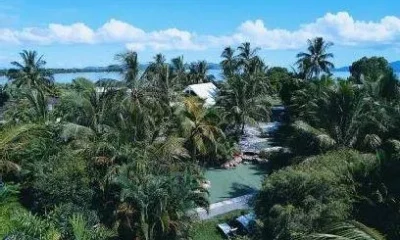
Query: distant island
{"type": "Point", "coordinates": [117, 68]}
{"type": "Point", "coordinates": [395, 65]}
{"type": "Point", "coordinates": [111, 68]}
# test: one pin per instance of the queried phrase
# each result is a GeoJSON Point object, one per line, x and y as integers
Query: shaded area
{"type": "Point", "coordinates": [206, 230]}
{"type": "Point", "coordinates": [230, 183]}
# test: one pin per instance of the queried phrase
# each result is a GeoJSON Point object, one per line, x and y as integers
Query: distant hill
{"type": "Point", "coordinates": [395, 65]}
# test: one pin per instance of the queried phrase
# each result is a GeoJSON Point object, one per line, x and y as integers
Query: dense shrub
{"type": "Point", "coordinates": [306, 197]}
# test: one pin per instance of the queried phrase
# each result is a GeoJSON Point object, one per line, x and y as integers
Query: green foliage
{"type": "Point", "coordinates": [369, 69]}
{"type": "Point", "coordinates": [351, 230]}
{"type": "Point", "coordinates": [159, 203]}
{"type": "Point", "coordinates": [243, 98]}
{"type": "Point", "coordinates": [198, 73]}
{"type": "Point", "coordinates": [75, 159]}
{"type": "Point", "coordinates": [205, 230]}
{"type": "Point", "coordinates": [128, 156]}
{"type": "Point", "coordinates": [276, 77]}
{"type": "Point", "coordinates": [308, 197]}
{"type": "Point", "coordinates": [336, 114]}
{"type": "Point", "coordinates": [4, 95]}
{"type": "Point", "coordinates": [198, 125]}
{"type": "Point", "coordinates": [17, 223]}
{"type": "Point", "coordinates": [81, 231]}
{"type": "Point", "coordinates": [63, 179]}
{"type": "Point", "coordinates": [8, 205]}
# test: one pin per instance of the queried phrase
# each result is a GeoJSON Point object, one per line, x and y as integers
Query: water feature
{"type": "Point", "coordinates": [234, 182]}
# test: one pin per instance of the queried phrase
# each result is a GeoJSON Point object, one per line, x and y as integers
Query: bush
{"type": "Point", "coordinates": [306, 197]}
{"type": "Point", "coordinates": [61, 181]}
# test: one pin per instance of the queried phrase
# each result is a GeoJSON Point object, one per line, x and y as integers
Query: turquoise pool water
{"type": "Point", "coordinates": [230, 183]}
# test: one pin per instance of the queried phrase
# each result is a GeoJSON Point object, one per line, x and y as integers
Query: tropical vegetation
{"type": "Point", "coordinates": [110, 159]}
{"type": "Point", "coordinates": [126, 159]}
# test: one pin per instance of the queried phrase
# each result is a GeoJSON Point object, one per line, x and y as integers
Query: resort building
{"type": "Point", "coordinates": [205, 91]}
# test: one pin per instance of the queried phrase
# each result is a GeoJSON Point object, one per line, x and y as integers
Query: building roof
{"type": "Point", "coordinates": [205, 91]}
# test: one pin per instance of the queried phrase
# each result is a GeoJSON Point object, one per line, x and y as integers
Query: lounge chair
{"type": "Point", "coordinates": [246, 221]}
{"type": "Point", "coordinates": [227, 230]}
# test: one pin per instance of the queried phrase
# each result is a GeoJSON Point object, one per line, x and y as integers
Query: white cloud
{"type": "Point", "coordinates": [115, 30]}
{"type": "Point", "coordinates": [75, 33]}
{"type": "Point", "coordinates": [6, 35]}
{"type": "Point", "coordinates": [341, 28]}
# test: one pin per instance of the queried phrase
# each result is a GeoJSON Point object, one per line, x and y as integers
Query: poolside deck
{"type": "Point", "coordinates": [226, 206]}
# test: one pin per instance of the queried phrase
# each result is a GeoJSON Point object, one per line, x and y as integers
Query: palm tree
{"type": "Point", "coordinates": [316, 60]}
{"type": "Point", "coordinates": [39, 108]}
{"type": "Point", "coordinates": [130, 68]}
{"type": "Point", "coordinates": [178, 72]}
{"type": "Point", "coordinates": [157, 77]}
{"type": "Point", "coordinates": [198, 72]}
{"type": "Point", "coordinates": [351, 230]}
{"type": "Point", "coordinates": [246, 55]}
{"type": "Point", "coordinates": [14, 139]}
{"type": "Point", "coordinates": [339, 114]}
{"type": "Point", "coordinates": [155, 206]}
{"type": "Point", "coordinates": [244, 96]}
{"type": "Point", "coordinates": [30, 72]}
{"type": "Point", "coordinates": [229, 63]}
{"type": "Point", "coordinates": [197, 126]}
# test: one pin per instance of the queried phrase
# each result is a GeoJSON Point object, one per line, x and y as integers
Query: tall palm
{"type": "Point", "coordinates": [246, 55]}
{"type": "Point", "coordinates": [229, 62]}
{"type": "Point", "coordinates": [178, 72]}
{"type": "Point", "coordinates": [130, 67]}
{"type": "Point", "coordinates": [198, 72]}
{"type": "Point", "coordinates": [244, 102]}
{"type": "Point", "coordinates": [31, 71]}
{"type": "Point", "coordinates": [157, 74]}
{"type": "Point", "coordinates": [316, 60]}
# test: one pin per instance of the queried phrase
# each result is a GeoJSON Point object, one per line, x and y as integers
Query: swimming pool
{"type": "Point", "coordinates": [235, 182]}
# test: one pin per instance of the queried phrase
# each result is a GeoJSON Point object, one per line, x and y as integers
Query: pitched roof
{"type": "Point", "coordinates": [205, 91]}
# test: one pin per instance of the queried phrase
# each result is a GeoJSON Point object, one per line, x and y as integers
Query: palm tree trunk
{"type": "Point", "coordinates": [243, 124]}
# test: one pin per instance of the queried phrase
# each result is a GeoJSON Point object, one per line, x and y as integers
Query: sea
{"type": "Point", "coordinates": [94, 76]}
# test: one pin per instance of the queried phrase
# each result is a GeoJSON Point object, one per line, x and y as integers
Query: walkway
{"type": "Point", "coordinates": [225, 207]}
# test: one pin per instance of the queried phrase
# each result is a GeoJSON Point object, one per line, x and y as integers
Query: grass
{"type": "Point", "coordinates": [207, 230]}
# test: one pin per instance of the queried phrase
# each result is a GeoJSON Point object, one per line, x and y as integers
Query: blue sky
{"type": "Point", "coordinates": [89, 33]}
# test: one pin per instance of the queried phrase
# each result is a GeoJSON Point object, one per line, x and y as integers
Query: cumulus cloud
{"type": "Point", "coordinates": [341, 28]}
{"type": "Point", "coordinates": [75, 33]}
{"type": "Point", "coordinates": [115, 30]}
